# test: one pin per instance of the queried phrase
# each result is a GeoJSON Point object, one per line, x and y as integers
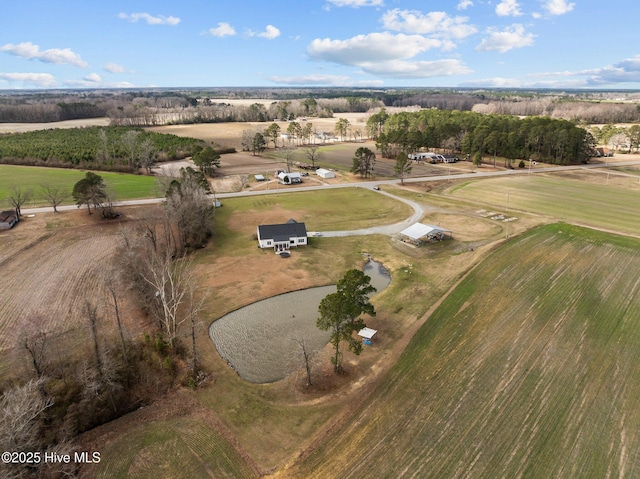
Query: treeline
{"type": "Point", "coordinates": [107, 148]}
{"type": "Point", "coordinates": [538, 138]}
{"type": "Point", "coordinates": [563, 107]}
{"type": "Point", "coordinates": [215, 111]}
{"type": "Point", "coordinates": [49, 112]}
{"type": "Point", "coordinates": [153, 107]}
{"type": "Point", "coordinates": [67, 386]}
{"type": "Point", "coordinates": [625, 139]}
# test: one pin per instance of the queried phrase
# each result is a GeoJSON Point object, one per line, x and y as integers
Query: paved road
{"type": "Point", "coordinates": [387, 229]}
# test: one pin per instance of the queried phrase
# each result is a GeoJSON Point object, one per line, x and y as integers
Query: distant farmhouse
{"type": "Point", "coordinates": [603, 152]}
{"type": "Point", "coordinates": [283, 236]}
{"type": "Point", "coordinates": [8, 219]}
{"type": "Point", "coordinates": [419, 233]}
{"type": "Point", "coordinates": [433, 157]}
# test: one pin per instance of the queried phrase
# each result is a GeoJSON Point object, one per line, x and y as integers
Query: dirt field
{"type": "Point", "coordinates": [51, 264]}
{"type": "Point", "coordinates": [22, 127]}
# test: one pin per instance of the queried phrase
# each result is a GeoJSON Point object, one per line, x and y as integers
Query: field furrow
{"type": "Point", "coordinates": [534, 377]}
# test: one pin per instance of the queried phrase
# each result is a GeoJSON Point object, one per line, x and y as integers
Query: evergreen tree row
{"type": "Point", "coordinates": [467, 133]}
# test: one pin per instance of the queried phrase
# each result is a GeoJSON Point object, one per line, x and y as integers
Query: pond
{"type": "Point", "coordinates": [261, 341]}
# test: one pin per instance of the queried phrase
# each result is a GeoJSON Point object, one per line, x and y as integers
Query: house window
{"type": "Point", "coordinates": [300, 240]}
{"type": "Point", "coordinates": [268, 243]}
{"type": "Point", "coordinates": [292, 241]}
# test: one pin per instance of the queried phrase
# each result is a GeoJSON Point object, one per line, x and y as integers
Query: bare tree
{"type": "Point", "coordinates": [130, 143]}
{"type": "Point", "coordinates": [19, 197]}
{"type": "Point", "coordinates": [308, 357]}
{"type": "Point", "coordinates": [195, 307]}
{"type": "Point", "coordinates": [21, 423]}
{"type": "Point", "coordinates": [107, 207]}
{"type": "Point", "coordinates": [244, 180]}
{"type": "Point", "coordinates": [313, 155]}
{"type": "Point", "coordinates": [189, 211]}
{"type": "Point", "coordinates": [170, 280]}
{"type": "Point", "coordinates": [147, 155]}
{"type": "Point", "coordinates": [110, 282]}
{"type": "Point", "coordinates": [289, 156]}
{"type": "Point", "coordinates": [55, 195]}
{"type": "Point", "coordinates": [91, 311]}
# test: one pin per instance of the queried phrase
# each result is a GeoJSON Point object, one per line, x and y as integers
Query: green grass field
{"type": "Point", "coordinates": [528, 369]}
{"type": "Point", "coordinates": [126, 186]}
{"type": "Point", "coordinates": [178, 448]}
{"type": "Point", "coordinates": [598, 205]}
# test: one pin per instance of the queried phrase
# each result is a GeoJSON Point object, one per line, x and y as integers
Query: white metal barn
{"type": "Point", "coordinates": [419, 233]}
{"type": "Point", "coordinates": [324, 173]}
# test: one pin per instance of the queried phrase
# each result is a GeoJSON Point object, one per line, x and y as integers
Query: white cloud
{"type": "Point", "coordinates": [374, 47]}
{"type": "Point", "coordinates": [93, 78]}
{"type": "Point", "coordinates": [356, 3]}
{"type": "Point", "coordinates": [558, 7]}
{"type": "Point", "coordinates": [416, 69]}
{"type": "Point", "coordinates": [150, 19]}
{"type": "Point", "coordinates": [222, 30]}
{"type": "Point", "coordinates": [434, 23]}
{"type": "Point", "coordinates": [464, 4]}
{"type": "Point", "coordinates": [42, 80]}
{"type": "Point", "coordinates": [508, 39]}
{"type": "Point", "coordinates": [508, 8]}
{"type": "Point", "coordinates": [57, 56]}
{"type": "Point", "coordinates": [114, 68]}
{"type": "Point", "coordinates": [270, 32]}
{"type": "Point", "coordinates": [625, 71]}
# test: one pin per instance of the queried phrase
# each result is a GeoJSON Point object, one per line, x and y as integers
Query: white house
{"type": "Point", "coordinates": [324, 173]}
{"type": "Point", "coordinates": [281, 237]}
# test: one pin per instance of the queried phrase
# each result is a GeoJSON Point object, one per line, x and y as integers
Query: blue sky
{"type": "Point", "coordinates": [353, 43]}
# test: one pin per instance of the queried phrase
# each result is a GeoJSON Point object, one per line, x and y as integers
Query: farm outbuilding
{"type": "Point", "coordinates": [324, 173]}
{"type": "Point", "coordinates": [419, 233]}
{"type": "Point", "coordinates": [8, 219]}
{"type": "Point", "coordinates": [281, 237]}
{"type": "Point", "coordinates": [367, 335]}
{"type": "Point", "coordinates": [289, 178]}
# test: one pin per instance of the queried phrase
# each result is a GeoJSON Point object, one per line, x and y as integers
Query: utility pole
{"type": "Point", "coordinates": [506, 218]}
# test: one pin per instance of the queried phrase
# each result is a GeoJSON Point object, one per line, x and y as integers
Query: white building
{"type": "Point", "coordinates": [324, 173]}
{"type": "Point", "coordinates": [289, 178]}
{"type": "Point", "coordinates": [283, 236]}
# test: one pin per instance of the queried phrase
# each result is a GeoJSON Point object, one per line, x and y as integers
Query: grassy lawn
{"type": "Point", "coordinates": [337, 209]}
{"type": "Point", "coordinates": [529, 368]}
{"type": "Point", "coordinates": [126, 186]}
{"type": "Point", "coordinates": [598, 205]}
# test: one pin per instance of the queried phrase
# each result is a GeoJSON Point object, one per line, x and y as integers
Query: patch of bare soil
{"type": "Point", "coordinates": [22, 127]}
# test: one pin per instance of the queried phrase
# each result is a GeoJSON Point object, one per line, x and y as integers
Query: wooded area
{"type": "Point", "coordinates": [169, 106]}
{"type": "Point", "coordinates": [107, 148]}
{"type": "Point", "coordinates": [538, 138]}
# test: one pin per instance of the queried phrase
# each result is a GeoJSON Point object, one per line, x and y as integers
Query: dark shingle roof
{"type": "Point", "coordinates": [286, 230]}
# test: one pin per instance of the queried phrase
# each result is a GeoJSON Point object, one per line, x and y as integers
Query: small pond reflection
{"type": "Point", "coordinates": [259, 341]}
